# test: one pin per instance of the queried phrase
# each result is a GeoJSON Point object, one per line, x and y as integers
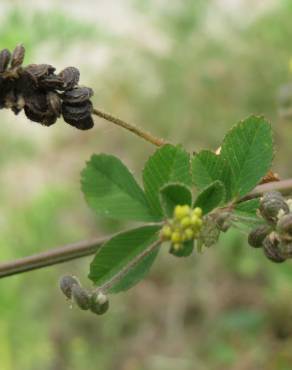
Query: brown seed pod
{"type": "Point", "coordinates": [49, 119]}
{"type": "Point", "coordinates": [66, 284]}
{"type": "Point", "coordinates": [78, 116]}
{"type": "Point", "coordinates": [85, 123]}
{"type": "Point", "coordinates": [284, 227]}
{"type": "Point", "coordinates": [70, 77]}
{"type": "Point", "coordinates": [17, 56]}
{"type": "Point", "coordinates": [77, 95]}
{"type": "Point", "coordinates": [39, 71]}
{"type": "Point", "coordinates": [35, 116]}
{"type": "Point", "coordinates": [5, 57]}
{"type": "Point", "coordinates": [271, 248]}
{"type": "Point", "coordinates": [19, 104]}
{"type": "Point", "coordinates": [99, 303]}
{"type": "Point", "coordinates": [54, 103]}
{"type": "Point", "coordinates": [51, 81]}
{"type": "Point", "coordinates": [77, 111]}
{"type": "Point", "coordinates": [81, 297]}
{"type": "Point", "coordinates": [257, 236]}
{"type": "Point", "coordinates": [286, 250]}
{"type": "Point", "coordinates": [271, 204]}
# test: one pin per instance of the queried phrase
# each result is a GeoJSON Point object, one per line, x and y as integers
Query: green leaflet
{"type": "Point", "coordinates": [111, 190]}
{"type": "Point", "coordinates": [211, 197]}
{"type": "Point", "coordinates": [172, 195]}
{"type": "Point", "coordinates": [168, 164]}
{"type": "Point", "coordinates": [118, 252]}
{"type": "Point", "coordinates": [248, 150]}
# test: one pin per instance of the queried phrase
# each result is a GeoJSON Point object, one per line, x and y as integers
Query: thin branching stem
{"type": "Point", "coordinates": [130, 127]}
{"type": "Point", "coordinates": [51, 257]}
{"type": "Point", "coordinates": [89, 247]}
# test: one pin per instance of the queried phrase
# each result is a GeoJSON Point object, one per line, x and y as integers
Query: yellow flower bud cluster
{"type": "Point", "coordinates": [184, 226]}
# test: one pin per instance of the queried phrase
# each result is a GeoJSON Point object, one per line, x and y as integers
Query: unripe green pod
{"type": "Point", "coordinates": [258, 235]}
{"type": "Point", "coordinates": [271, 204]}
{"type": "Point", "coordinates": [81, 297]}
{"type": "Point", "coordinates": [271, 248]}
{"type": "Point", "coordinates": [99, 303]}
{"type": "Point", "coordinates": [66, 284]}
{"type": "Point", "coordinates": [284, 227]}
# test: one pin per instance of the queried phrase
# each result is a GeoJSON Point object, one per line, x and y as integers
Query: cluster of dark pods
{"type": "Point", "coordinates": [41, 93]}
{"type": "Point", "coordinates": [96, 301]}
{"type": "Point", "coordinates": [275, 236]}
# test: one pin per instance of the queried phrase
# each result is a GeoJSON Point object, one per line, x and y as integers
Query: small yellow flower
{"type": "Point", "coordinates": [197, 211]}
{"type": "Point", "coordinates": [176, 237]}
{"type": "Point", "coordinates": [181, 211]}
{"type": "Point", "coordinates": [185, 222]}
{"type": "Point", "coordinates": [188, 234]}
{"type": "Point", "coordinates": [196, 221]}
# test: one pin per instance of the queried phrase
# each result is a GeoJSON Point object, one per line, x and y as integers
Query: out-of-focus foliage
{"type": "Point", "coordinates": [189, 72]}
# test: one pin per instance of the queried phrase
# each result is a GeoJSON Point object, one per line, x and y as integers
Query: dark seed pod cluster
{"type": "Point", "coordinates": [271, 204]}
{"type": "Point", "coordinates": [275, 237]}
{"type": "Point", "coordinates": [43, 94]}
{"type": "Point", "coordinates": [97, 302]}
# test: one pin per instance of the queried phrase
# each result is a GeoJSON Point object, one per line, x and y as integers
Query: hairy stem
{"type": "Point", "coordinates": [134, 129]}
{"type": "Point", "coordinates": [118, 277]}
{"type": "Point", "coordinates": [51, 257]}
{"type": "Point", "coordinates": [88, 247]}
{"type": "Point", "coordinates": [283, 186]}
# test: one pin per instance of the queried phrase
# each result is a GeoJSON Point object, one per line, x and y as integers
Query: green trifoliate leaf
{"type": "Point", "coordinates": [111, 190]}
{"type": "Point", "coordinates": [172, 195]}
{"type": "Point", "coordinates": [211, 197]}
{"type": "Point", "coordinates": [208, 167]}
{"type": "Point", "coordinates": [248, 150]}
{"type": "Point", "coordinates": [168, 164]}
{"type": "Point", "coordinates": [117, 254]}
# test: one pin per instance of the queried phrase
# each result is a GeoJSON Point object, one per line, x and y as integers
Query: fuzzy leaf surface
{"type": "Point", "coordinates": [248, 150]}
{"type": "Point", "coordinates": [211, 197]}
{"type": "Point", "coordinates": [111, 190]}
{"type": "Point", "coordinates": [118, 252]}
{"type": "Point", "coordinates": [172, 195]}
{"type": "Point", "coordinates": [168, 164]}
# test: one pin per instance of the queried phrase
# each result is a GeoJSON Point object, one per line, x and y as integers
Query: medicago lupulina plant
{"type": "Point", "coordinates": [186, 201]}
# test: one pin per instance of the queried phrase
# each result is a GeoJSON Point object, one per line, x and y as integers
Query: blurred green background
{"type": "Point", "coordinates": [186, 71]}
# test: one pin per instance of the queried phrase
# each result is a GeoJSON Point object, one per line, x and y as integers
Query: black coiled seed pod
{"type": "Point", "coordinates": [70, 77]}
{"type": "Point", "coordinates": [36, 88]}
{"type": "Point", "coordinates": [271, 248]}
{"type": "Point", "coordinates": [81, 297]}
{"type": "Point", "coordinates": [66, 284]}
{"type": "Point", "coordinates": [257, 236]}
{"type": "Point", "coordinates": [17, 56]}
{"type": "Point", "coordinates": [99, 303]}
{"type": "Point", "coordinates": [271, 204]}
{"type": "Point", "coordinates": [5, 57]}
